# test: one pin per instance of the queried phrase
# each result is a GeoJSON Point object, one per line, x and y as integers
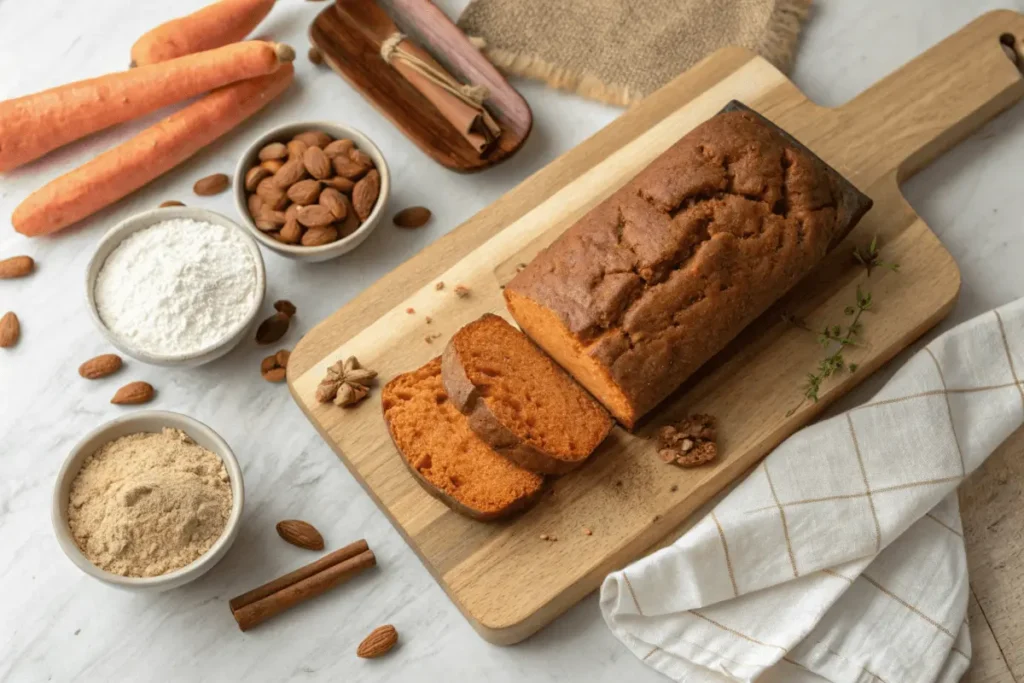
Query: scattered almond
{"type": "Point", "coordinates": [413, 217]}
{"type": "Point", "coordinates": [461, 291]}
{"type": "Point", "coordinates": [316, 162]}
{"type": "Point", "coordinates": [316, 56]}
{"type": "Point", "coordinates": [211, 185]}
{"type": "Point", "coordinates": [334, 202]}
{"type": "Point", "coordinates": [275, 150]}
{"type": "Point", "coordinates": [170, 202]}
{"type": "Point", "coordinates": [273, 165]}
{"type": "Point", "coordinates": [254, 176]}
{"type": "Point", "coordinates": [305, 192]}
{"type": "Point", "coordinates": [365, 193]}
{"type": "Point", "coordinates": [16, 266]}
{"type": "Point", "coordinates": [318, 236]}
{"type": "Point", "coordinates": [314, 138]}
{"type": "Point", "coordinates": [378, 643]}
{"type": "Point", "coordinates": [100, 366]}
{"type": "Point", "coordinates": [133, 393]}
{"type": "Point", "coordinates": [315, 216]}
{"type": "Point", "coordinates": [286, 307]}
{"type": "Point", "coordinates": [302, 534]}
{"type": "Point", "coordinates": [273, 328]}
{"type": "Point", "coordinates": [338, 148]}
{"type": "Point", "coordinates": [282, 357]}
{"type": "Point", "coordinates": [10, 330]}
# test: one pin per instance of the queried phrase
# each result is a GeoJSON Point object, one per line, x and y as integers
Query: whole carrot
{"type": "Point", "coordinates": [120, 171]}
{"type": "Point", "coordinates": [221, 23]}
{"type": "Point", "coordinates": [36, 124]}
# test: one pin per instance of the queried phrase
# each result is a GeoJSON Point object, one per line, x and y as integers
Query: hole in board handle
{"type": "Point", "coordinates": [1009, 44]}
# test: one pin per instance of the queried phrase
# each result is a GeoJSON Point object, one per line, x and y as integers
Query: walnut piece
{"type": "Point", "coordinates": [346, 383]}
{"type": "Point", "coordinates": [690, 442]}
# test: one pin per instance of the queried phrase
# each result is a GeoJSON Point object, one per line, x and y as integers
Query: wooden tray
{"type": "Point", "coordinates": [349, 33]}
{"type": "Point", "coordinates": [507, 581]}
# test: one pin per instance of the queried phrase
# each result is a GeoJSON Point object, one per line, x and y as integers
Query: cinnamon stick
{"type": "Point", "coordinates": [256, 606]}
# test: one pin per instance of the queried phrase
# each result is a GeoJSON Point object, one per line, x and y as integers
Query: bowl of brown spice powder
{"type": "Point", "coordinates": [149, 501]}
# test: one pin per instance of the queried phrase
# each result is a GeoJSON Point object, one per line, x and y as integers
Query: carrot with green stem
{"type": "Point", "coordinates": [33, 125]}
{"type": "Point", "coordinates": [221, 23]}
{"type": "Point", "coordinates": [120, 171]}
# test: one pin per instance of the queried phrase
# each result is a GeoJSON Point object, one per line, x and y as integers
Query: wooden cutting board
{"type": "Point", "coordinates": [505, 579]}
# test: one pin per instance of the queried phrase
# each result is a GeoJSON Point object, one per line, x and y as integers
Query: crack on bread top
{"type": "Point", "coordinates": [692, 249]}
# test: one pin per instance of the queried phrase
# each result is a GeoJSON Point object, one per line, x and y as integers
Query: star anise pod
{"type": "Point", "coordinates": [346, 383]}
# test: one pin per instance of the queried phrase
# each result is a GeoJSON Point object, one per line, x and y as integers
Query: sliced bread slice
{"type": "Point", "coordinates": [445, 456]}
{"type": "Point", "coordinates": [518, 400]}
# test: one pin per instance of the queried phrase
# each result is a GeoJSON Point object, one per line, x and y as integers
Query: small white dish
{"type": "Point", "coordinates": [147, 219]}
{"type": "Point", "coordinates": [147, 421]}
{"type": "Point", "coordinates": [327, 251]}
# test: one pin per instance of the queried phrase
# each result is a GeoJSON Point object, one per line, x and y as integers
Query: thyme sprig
{"type": "Point", "coordinates": [869, 258]}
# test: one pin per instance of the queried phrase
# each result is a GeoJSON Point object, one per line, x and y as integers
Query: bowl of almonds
{"type": "Point", "coordinates": [312, 191]}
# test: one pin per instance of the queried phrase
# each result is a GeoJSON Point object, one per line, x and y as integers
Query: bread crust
{"type": "Point", "coordinates": [466, 397]}
{"type": "Point", "coordinates": [516, 507]}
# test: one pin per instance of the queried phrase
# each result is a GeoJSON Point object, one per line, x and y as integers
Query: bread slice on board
{"type": "Point", "coordinates": [444, 454]}
{"type": "Point", "coordinates": [518, 400]}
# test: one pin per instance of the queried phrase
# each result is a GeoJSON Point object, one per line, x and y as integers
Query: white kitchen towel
{"type": "Point", "coordinates": [841, 556]}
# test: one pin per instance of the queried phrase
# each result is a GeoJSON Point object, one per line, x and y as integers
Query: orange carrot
{"type": "Point", "coordinates": [120, 171]}
{"type": "Point", "coordinates": [36, 124]}
{"type": "Point", "coordinates": [221, 23]}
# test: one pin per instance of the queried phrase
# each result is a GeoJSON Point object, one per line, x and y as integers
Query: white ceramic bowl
{"type": "Point", "coordinates": [147, 421]}
{"type": "Point", "coordinates": [327, 251]}
{"type": "Point", "coordinates": [146, 219]}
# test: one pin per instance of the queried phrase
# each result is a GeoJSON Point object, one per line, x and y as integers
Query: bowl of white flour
{"type": "Point", "coordinates": [176, 286]}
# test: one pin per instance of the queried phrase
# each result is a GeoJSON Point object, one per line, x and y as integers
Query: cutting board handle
{"type": "Point", "coordinates": [934, 101]}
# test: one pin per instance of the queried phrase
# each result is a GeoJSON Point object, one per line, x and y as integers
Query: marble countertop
{"type": "Point", "coordinates": [57, 624]}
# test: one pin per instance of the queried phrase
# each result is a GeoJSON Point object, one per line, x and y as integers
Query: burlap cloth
{"type": "Point", "coordinates": [618, 51]}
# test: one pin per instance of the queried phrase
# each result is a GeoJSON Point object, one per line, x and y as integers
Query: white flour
{"type": "Point", "coordinates": [177, 287]}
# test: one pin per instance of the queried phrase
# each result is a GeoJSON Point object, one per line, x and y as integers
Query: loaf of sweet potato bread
{"type": "Point", "coordinates": [445, 456]}
{"type": "Point", "coordinates": [658, 278]}
{"type": "Point", "coordinates": [518, 400]}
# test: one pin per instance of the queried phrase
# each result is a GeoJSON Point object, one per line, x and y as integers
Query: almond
{"type": "Point", "coordinates": [339, 183]}
{"type": "Point", "coordinates": [365, 193]}
{"type": "Point", "coordinates": [296, 148]}
{"type": "Point", "coordinates": [314, 138]}
{"type": "Point", "coordinates": [10, 330]}
{"type": "Point", "coordinates": [16, 266]}
{"type": "Point", "coordinates": [302, 534]}
{"type": "Point", "coordinates": [273, 328]}
{"type": "Point", "coordinates": [315, 216]}
{"type": "Point", "coordinates": [291, 232]}
{"type": "Point", "coordinates": [253, 177]}
{"type": "Point", "coordinates": [360, 157]}
{"type": "Point", "coordinates": [170, 202]}
{"type": "Point", "coordinates": [292, 172]}
{"type": "Point", "coordinates": [378, 643]}
{"type": "Point", "coordinates": [334, 201]}
{"type": "Point", "coordinates": [315, 56]}
{"type": "Point", "coordinates": [275, 150]}
{"type": "Point", "coordinates": [275, 375]}
{"type": "Point", "coordinates": [338, 148]}
{"type": "Point", "coordinates": [272, 195]}
{"type": "Point", "coordinates": [268, 364]}
{"type": "Point", "coordinates": [100, 366]}
{"type": "Point", "coordinates": [352, 221]}
{"type": "Point", "coordinates": [275, 218]}
{"type": "Point", "coordinates": [413, 217]}
{"type": "Point", "coordinates": [347, 168]}
{"type": "Point", "coordinates": [133, 393]}
{"type": "Point", "coordinates": [317, 163]}
{"type": "Point", "coordinates": [273, 165]}
{"type": "Point", "coordinates": [255, 204]}
{"type": "Point", "coordinates": [211, 185]}
{"type": "Point", "coordinates": [282, 357]}
{"type": "Point", "coordinates": [318, 236]}
{"type": "Point", "coordinates": [286, 307]}
{"type": "Point", "coordinates": [304, 192]}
